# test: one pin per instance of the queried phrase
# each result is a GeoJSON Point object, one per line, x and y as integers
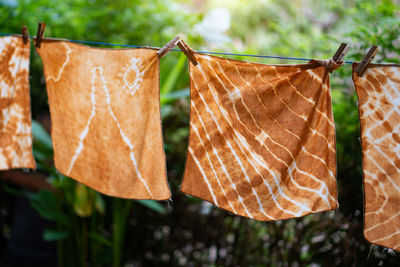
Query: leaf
{"type": "Point", "coordinates": [173, 77]}
{"type": "Point", "coordinates": [84, 200]}
{"type": "Point", "coordinates": [45, 203]}
{"type": "Point", "coordinates": [153, 205]}
{"type": "Point", "coordinates": [39, 155]}
{"type": "Point", "coordinates": [99, 203]}
{"type": "Point", "coordinates": [54, 235]}
{"type": "Point", "coordinates": [12, 191]}
{"type": "Point", "coordinates": [40, 135]}
{"type": "Point", "coordinates": [175, 95]}
{"type": "Point", "coordinates": [100, 239]}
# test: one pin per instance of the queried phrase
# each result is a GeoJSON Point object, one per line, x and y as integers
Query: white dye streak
{"type": "Point", "coordinates": [85, 131]}
{"type": "Point", "coordinates": [99, 71]}
{"type": "Point", "coordinates": [65, 63]}
{"type": "Point", "coordinates": [215, 151]}
{"type": "Point", "coordinates": [311, 101]}
{"type": "Point", "coordinates": [384, 222]}
{"type": "Point", "coordinates": [212, 166]}
{"type": "Point", "coordinates": [124, 137]}
{"type": "Point", "coordinates": [379, 140]}
{"type": "Point", "coordinates": [204, 175]}
{"type": "Point", "coordinates": [135, 65]}
{"type": "Point", "coordinates": [303, 207]}
{"type": "Point", "coordinates": [385, 237]}
{"type": "Point", "coordinates": [232, 150]}
{"type": "Point", "coordinates": [306, 121]}
{"type": "Point", "coordinates": [384, 171]}
{"type": "Point", "coordinates": [263, 136]}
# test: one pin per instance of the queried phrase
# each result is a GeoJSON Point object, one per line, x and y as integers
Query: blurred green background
{"type": "Point", "coordinates": [85, 228]}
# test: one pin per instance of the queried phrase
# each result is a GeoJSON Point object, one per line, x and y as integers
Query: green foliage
{"type": "Point", "coordinates": [46, 203]}
{"type": "Point", "coordinates": [167, 96]}
{"type": "Point", "coordinates": [54, 235]}
{"type": "Point", "coordinates": [80, 213]}
{"type": "Point", "coordinates": [74, 202]}
{"type": "Point", "coordinates": [383, 29]}
{"type": "Point", "coordinates": [153, 205]}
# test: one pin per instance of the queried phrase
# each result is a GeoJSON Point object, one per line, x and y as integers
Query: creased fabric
{"type": "Point", "coordinates": [15, 107]}
{"type": "Point", "coordinates": [378, 93]}
{"type": "Point", "coordinates": [105, 114]}
{"type": "Point", "coordinates": [262, 138]}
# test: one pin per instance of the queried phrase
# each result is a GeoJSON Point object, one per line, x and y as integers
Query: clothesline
{"type": "Point", "coordinates": [178, 50]}
{"type": "Point", "coordinates": [250, 166]}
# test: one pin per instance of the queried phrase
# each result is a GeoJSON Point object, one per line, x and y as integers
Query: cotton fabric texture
{"type": "Point", "coordinates": [105, 114]}
{"type": "Point", "coordinates": [378, 92]}
{"type": "Point", "coordinates": [15, 107]}
{"type": "Point", "coordinates": [262, 138]}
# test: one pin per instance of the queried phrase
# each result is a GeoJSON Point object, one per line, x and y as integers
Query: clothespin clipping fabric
{"type": "Point", "coordinates": [341, 52]}
{"type": "Point", "coordinates": [366, 60]}
{"type": "Point", "coordinates": [335, 62]}
{"type": "Point", "coordinates": [40, 33]}
{"type": "Point", "coordinates": [188, 51]}
{"type": "Point", "coordinates": [165, 49]}
{"type": "Point", "coordinates": [25, 34]}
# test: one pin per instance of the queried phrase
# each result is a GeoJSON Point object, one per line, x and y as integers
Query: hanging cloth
{"type": "Point", "coordinates": [15, 107]}
{"type": "Point", "coordinates": [105, 115]}
{"type": "Point", "coordinates": [262, 138]}
{"type": "Point", "coordinates": [378, 92]}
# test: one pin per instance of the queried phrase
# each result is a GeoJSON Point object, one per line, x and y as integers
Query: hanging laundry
{"type": "Point", "coordinates": [15, 107]}
{"type": "Point", "coordinates": [105, 114]}
{"type": "Point", "coordinates": [378, 92]}
{"type": "Point", "coordinates": [262, 138]}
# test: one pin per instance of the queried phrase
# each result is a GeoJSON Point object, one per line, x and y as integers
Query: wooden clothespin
{"type": "Point", "coordinates": [25, 34]}
{"type": "Point", "coordinates": [188, 51]}
{"type": "Point", "coordinates": [340, 53]}
{"type": "Point", "coordinates": [166, 48]}
{"type": "Point", "coordinates": [336, 61]}
{"type": "Point", "coordinates": [40, 32]}
{"type": "Point", "coordinates": [366, 60]}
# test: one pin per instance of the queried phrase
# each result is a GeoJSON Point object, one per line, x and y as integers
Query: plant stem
{"type": "Point", "coordinates": [116, 233]}
{"type": "Point", "coordinates": [60, 253]}
{"type": "Point", "coordinates": [121, 209]}
{"type": "Point", "coordinates": [78, 244]}
{"type": "Point", "coordinates": [84, 242]}
{"type": "Point", "coordinates": [94, 245]}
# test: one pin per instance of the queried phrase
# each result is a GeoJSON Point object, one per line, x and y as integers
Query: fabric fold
{"type": "Point", "coordinates": [15, 106]}
{"type": "Point", "coordinates": [378, 92]}
{"type": "Point", "coordinates": [262, 138]}
{"type": "Point", "coordinates": [105, 114]}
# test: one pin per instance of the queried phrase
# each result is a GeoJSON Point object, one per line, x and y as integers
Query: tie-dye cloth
{"type": "Point", "coordinates": [262, 138]}
{"type": "Point", "coordinates": [105, 114]}
{"type": "Point", "coordinates": [378, 93]}
{"type": "Point", "coordinates": [15, 107]}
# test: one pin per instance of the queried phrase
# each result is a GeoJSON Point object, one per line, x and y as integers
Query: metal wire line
{"type": "Point", "coordinates": [178, 50]}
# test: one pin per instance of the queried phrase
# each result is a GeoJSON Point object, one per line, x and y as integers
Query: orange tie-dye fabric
{"type": "Point", "coordinates": [15, 107]}
{"type": "Point", "coordinates": [105, 114]}
{"type": "Point", "coordinates": [378, 93]}
{"type": "Point", "coordinates": [262, 138]}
